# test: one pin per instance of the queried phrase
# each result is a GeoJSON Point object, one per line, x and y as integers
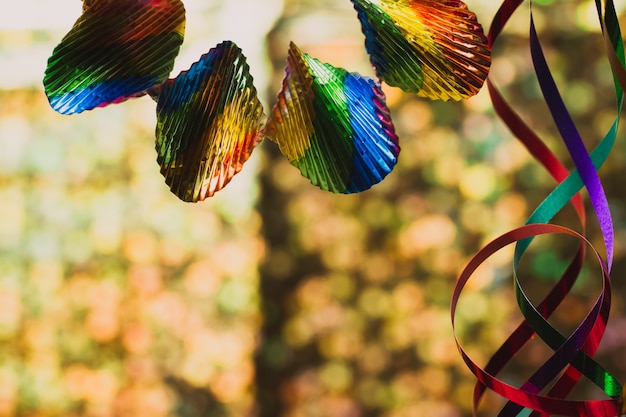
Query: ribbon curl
{"type": "Point", "coordinates": [573, 355]}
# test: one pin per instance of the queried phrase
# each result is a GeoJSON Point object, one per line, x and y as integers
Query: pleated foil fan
{"type": "Point", "coordinates": [208, 121]}
{"type": "Point", "coordinates": [116, 50]}
{"type": "Point", "coordinates": [334, 126]}
{"type": "Point", "coordinates": [433, 48]}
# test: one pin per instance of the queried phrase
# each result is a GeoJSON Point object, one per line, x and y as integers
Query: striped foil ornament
{"type": "Point", "coordinates": [209, 120]}
{"type": "Point", "coordinates": [117, 49]}
{"type": "Point", "coordinates": [433, 48]}
{"type": "Point", "coordinates": [334, 126]}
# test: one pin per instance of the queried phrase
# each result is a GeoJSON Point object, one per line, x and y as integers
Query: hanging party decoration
{"type": "Point", "coordinates": [433, 48]}
{"type": "Point", "coordinates": [209, 120]}
{"type": "Point", "coordinates": [334, 126]}
{"type": "Point", "coordinates": [546, 391]}
{"type": "Point", "coordinates": [117, 49]}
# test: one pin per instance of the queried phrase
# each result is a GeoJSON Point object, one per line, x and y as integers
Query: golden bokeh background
{"type": "Point", "coordinates": [275, 298]}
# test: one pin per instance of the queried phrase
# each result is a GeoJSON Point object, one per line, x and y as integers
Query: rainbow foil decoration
{"type": "Point", "coordinates": [434, 48]}
{"type": "Point", "coordinates": [334, 126]}
{"type": "Point", "coordinates": [209, 119]}
{"type": "Point", "coordinates": [117, 49]}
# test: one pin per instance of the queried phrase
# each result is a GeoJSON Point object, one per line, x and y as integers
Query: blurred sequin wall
{"type": "Point", "coordinates": [274, 298]}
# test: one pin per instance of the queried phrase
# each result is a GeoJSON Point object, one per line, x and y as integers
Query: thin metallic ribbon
{"type": "Point", "coordinates": [572, 356]}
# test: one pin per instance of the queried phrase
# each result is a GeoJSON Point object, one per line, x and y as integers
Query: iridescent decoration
{"type": "Point", "coordinates": [434, 48]}
{"type": "Point", "coordinates": [334, 126]}
{"type": "Point", "coordinates": [117, 49]}
{"type": "Point", "coordinates": [209, 119]}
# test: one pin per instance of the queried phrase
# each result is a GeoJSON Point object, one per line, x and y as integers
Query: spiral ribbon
{"type": "Point", "coordinates": [545, 392]}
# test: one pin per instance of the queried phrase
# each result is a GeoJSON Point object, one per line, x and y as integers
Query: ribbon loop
{"type": "Point", "coordinates": [545, 392]}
